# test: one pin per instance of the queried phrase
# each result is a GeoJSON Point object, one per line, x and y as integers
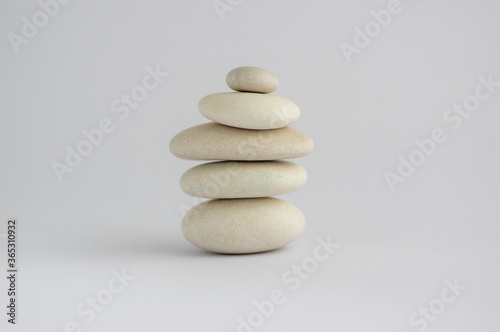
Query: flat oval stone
{"type": "Point", "coordinates": [213, 141]}
{"type": "Point", "coordinates": [249, 110]}
{"type": "Point", "coordinates": [243, 179]}
{"type": "Point", "coordinates": [242, 226]}
{"type": "Point", "coordinates": [252, 79]}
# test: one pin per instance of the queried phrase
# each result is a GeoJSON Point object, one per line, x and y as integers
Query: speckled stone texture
{"type": "Point", "coordinates": [249, 110]}
{"type": "Point", "coordinates": [251, 136]}
{"type": "Point", "coordinates": [243, 179]}
{"type": "Point", "coordinates": [243, 226]}
{"type": "Point", "coordinates": [252, 79]}
{"type": "Point", "coordinates": [213, 141]}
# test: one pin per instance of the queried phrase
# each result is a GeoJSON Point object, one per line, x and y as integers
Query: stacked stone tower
{"type": "Point", "coordinates": [250, 134]}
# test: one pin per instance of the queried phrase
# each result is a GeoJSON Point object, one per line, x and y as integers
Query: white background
{"type": "Point", "coordinates": [122, 206]}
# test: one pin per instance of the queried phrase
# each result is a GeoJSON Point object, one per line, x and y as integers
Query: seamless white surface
{"type": "Point", "coordinates": [122, 205]}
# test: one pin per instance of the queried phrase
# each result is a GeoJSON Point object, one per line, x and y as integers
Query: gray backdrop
{"type": "Point", "coordinates": [100, 247]}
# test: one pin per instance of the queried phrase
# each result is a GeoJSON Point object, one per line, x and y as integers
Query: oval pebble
{"type": "Point", "coordinates": [213, 141]}
{"type": "Point", "coordinates": [243, 226]}
{"type": "Point", "coordinates": [243, 179]}
{"type": "Point", "coordinates": [252, 79]}
{"type": "Point", "coordinates": [249, 110]}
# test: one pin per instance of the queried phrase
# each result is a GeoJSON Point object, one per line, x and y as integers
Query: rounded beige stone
{"type": "Point", "coordinates": [243, 226]}
{"type": "Point", "coordinates": [213, 141]}
{"type": "Point", "coordinates": [252, 79]}
{"type": "Point", "coordinates": [249, 110]}
{"type": "Point", "coordinates": [243, 179]}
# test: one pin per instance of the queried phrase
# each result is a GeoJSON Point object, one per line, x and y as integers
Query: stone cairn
{"type": "Point", "coordinates": [250, 134]}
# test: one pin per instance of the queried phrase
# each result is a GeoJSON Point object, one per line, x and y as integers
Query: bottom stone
{"type": "Point", "coordinates": [242, 226]}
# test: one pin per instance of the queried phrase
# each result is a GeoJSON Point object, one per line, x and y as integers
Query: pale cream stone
{"type": "Point", "coordinates": [242, 226]}
{"type": "Point", "coordinates": [252, 79]}
{"type": "Point", "coordinates": [213, 141]}
{"type": "Point", "coordinates": [242, 179]}
{"type": "Point", "coordinates": [249, 110]}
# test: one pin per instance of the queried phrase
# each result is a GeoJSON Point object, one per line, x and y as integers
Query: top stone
{"type": "Point", "coordinates": [252, 79]}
